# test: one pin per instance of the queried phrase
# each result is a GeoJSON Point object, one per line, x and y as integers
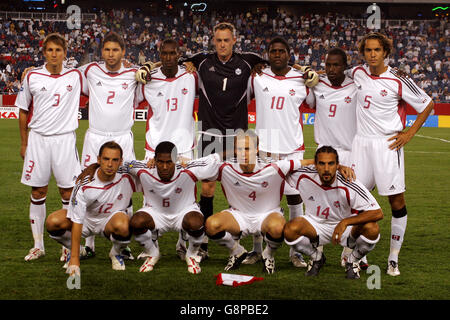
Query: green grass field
{"type": "Point", "coordinates": [424, 259]}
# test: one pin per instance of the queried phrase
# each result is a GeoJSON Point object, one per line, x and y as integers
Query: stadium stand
{"type": "Point", "coordinates": [422, 47]}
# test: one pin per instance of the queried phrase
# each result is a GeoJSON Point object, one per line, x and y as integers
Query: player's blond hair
{"type": "Point", "coordinates": [225, 26]}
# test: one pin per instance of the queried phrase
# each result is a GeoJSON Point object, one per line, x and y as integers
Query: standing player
{"type": "Point", "coordinates": [337, 211]}
{"type": "Point", "coordinates": [279, 92]}
{"type": "Point", "coordinates": [97, 207]}
{"type": "Point", "coordinates": [335, 119]}
{"type": "Point", "coordinates": [170, 203]}
{"type": "Point", "coordinates": [48, 102]}
{"type": "Point", "coordinates": [170, 95]}
{"type": "Point", "coordinates": [377, 150]}
{"type": "Point", "coordinates": [253, 190]}
{"type": "Point", "coordinates": [111, 88]}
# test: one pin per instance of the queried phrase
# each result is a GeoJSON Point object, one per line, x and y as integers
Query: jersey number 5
{"type": "Point", "coordinates": [366, 99]}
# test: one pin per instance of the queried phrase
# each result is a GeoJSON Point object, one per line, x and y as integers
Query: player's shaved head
{"type": "Point", "coordinates": [338, 52]}
{"type": "Point", "coordinates": [280, 40]}
{"type": "Point", "coordinates": [166, 147]}
{"type": "Point", "coordinates": [169, 42]}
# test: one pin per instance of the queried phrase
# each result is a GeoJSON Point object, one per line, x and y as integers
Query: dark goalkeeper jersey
{"type": "Point", "coordinates": [223, 89]}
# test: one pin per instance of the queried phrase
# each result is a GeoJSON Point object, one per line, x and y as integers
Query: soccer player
{"type": "Point", "coordinates": [377, 149]}
{"type": "Point", "coordinates": [98, 207]}
{"type": "Point", "coordinates": [48, 102]}
{"type": "Point", "coordinates": [253, 190]}
{"type": "Point", "coordinates": [170, 203]}
{"type": "Point", "coordinates": [279, 92]}
{"type": "Point", "coordinates": [111, 89]}
{"type": "Point", "coordinates": [337, 211]}
{"type": "Point", "coordinates": [223, 103]}
{"type": "Point", "coordinates": [170, 95]}
{"type": "Point", "coordinates": [334, 99]}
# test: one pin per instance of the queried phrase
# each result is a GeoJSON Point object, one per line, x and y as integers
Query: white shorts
{"type": "Point", "coordinates": [93, 140]}
{"type": "Point", "coordinates": [375, 164]}
{"type": "Point", "coordinates": [168, 222]}
{"type": "Point", "coordinates": [325, 231]}
{"type": "Point", "coordinates": [47, 154]}
{"type": "Point", "coordinates": [250, 223]}
{"type": "Point", "coordinates": [345, 156]}
{"type": "Point", "coordinates": [96, 226]}
{"type": "Point", "coordinates": [288, 190]}
{"type": "Point", "coordinates": [187, 155]}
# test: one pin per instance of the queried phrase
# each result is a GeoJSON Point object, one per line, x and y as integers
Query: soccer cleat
{"type": "Point", "coordinates": [392, 269]}
{"type": "Point", "coordinates": [66, 264]}
{"type": "Point", "coordinates": [193, 264]}
{"type": "Point", "coordinates": [34, 253]}
{"type": "Point", "coordinates": [344, 256]}
{"type": "Point", "coordinates": [149, 264]}
{"type": "Point", "coordinates": [181, 251]}
{"type": "Point", "coordinates": [315, 266]}
{"type": "Point", "coordinates": [203, 254]}
{"type": "Point", "coordinates": [269, 265]}
{"type": "Point", "coordinates": [126, 254]}
{"type": "Point", "coordinates": [117, 262]}
{"type": "Point", "coordinates": [298, 261]}
{"type": "Point", "coordinates": [64, 253]}
{"type": "Point", "coordinates": [352, 270]}
{"type": "Point", "coordinates": [252, 257]}
{"type": "Point", "coordinates": [86, 253]}
{"type": "Point", "coordinates": [235, 261]}
{"type": "Point", "coordinates": [363, 264]}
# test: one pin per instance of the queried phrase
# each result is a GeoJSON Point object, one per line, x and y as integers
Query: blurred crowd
{"type": "Point", "coordinates": [421, 47]}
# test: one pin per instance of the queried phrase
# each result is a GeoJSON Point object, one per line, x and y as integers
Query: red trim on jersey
{"type": "Point", "coordinates": [147, 127]}
{"type": "Point", "coordinates": [335, 87]}
{"type": "Point", "coordinates": [109, 186]}
{"type": "Point", "coordinates": [190, 174]}
{"type": "Point", "coordinates": [56, 76]}
{"type": "Point", "coordinates": [282, 77]}
{"type": "Point", "coordinates": [219, 177]}
{"type": "Point", "coordinates": [251, 173]}
{"type": "Point", "coordinates": [347, 193]}
{"type": "Point", "coordinates": [196, 82]}
{"type": "Point", "coordinates": [401, 110]}
{"type": "Point", "coordinates": [170, 79]}
{"type": "Point", "coordinates": [252, 83]}
{"type": "Point", "coordinates": [111, 74]}
{"type": "Point", "coordinates": [380, 78]}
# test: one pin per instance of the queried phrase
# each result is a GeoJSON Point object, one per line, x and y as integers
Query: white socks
{"type": "Point", "coordinates": [37, 220]}
{"type": "Point", "coordinates": [398, 227]}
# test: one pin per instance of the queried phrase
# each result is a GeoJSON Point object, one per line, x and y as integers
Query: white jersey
{"type": "Point", "coordinates": [278, 99]}
{"type": "Point", "coordinates": [330, 205]}
{"type": "Point", "coordinates": [259, 191]}
{"type": "Point", "coordinates": [335, 119]}
{"type": "Point", "coordinates": [97, 200]}
{"type": "Point", "coordinates": [51, 100]}
{"type": "Point", "coordinates": [381, 108]}
{"type": "Point", "coordinates": [171, 112]}
{"type": "Point", "coordinates": [172, 197]}
{"type": "Point", "coordinates": [111, 97]}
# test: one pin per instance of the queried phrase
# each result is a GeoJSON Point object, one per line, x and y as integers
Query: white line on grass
{"type": "Point", "coordinates": [427, 137]}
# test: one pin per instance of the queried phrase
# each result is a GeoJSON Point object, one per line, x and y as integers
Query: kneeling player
{"type": "Point", "coordinates": [253, 190]}
{"type": "Point", "coordinates": [337, 211]}
{"type": "Point", "coordinates": [170, 203]}
{"type": "Point", "coordinates": [98, 207]}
